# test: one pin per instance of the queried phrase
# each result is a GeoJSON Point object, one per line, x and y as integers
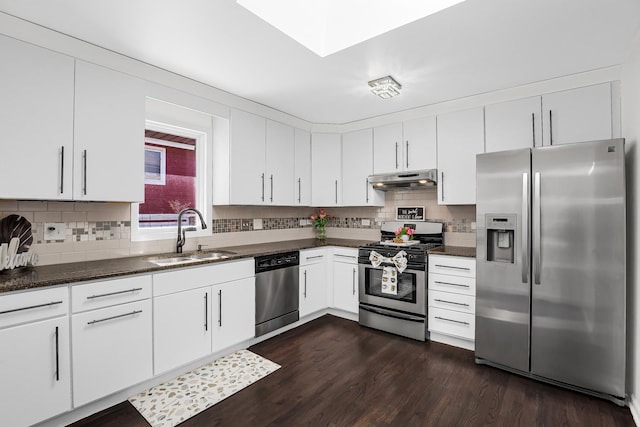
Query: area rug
{"type": "Point", "coordinates": [177, 400]}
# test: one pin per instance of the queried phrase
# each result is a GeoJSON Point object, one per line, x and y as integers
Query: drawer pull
{"type": "Point", "coordinates": [452, 284]}
{"type": "Point", "coordinates": [114, 293]}
{"type": "Point", "coordinates": [452, 302]}
{"type": "Point", "coordinates": [314, 257]}
{"type": "Point", "coordinates": [451, 320]}
{"type": "Point", "coordinates": [346, 256]}
{"type": "Point", "coordinates": [453, 267]}
{"type": "Point", "coordinates": [114, 317]}
{"type": "Point", "coordinates": [30, 307]}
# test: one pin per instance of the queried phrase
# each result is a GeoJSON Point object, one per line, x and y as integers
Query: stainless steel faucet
{"type": "Point", "coordinates": [182, 238]}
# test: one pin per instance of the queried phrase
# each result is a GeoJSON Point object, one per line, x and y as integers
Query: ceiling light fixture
{"type": "Point", "coordinates": [385, 87]}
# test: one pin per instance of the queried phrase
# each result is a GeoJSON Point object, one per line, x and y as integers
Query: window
{"type": "Point", "coordinates": [176, 170]}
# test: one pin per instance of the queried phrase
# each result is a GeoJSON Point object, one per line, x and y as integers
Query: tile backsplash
{"type": "Point", "coordinates": [103, 230]}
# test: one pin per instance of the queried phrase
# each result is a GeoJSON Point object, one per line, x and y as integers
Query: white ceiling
{"type": "Point", "coordinates": [474, 47]}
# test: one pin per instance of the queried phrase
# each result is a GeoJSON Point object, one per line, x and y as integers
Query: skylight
{"type": "Point", "coordinates": [329, 26]}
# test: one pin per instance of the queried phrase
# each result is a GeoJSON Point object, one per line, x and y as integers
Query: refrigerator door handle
{"type": "Point", "coordinates": [525, 228]}
{"type": "Point", "coordinates": [536, 228]}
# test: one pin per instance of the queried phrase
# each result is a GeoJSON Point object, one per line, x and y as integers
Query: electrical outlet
{"type": "Point", "coordinates": [55, 230]}
{"type": "Point", "coordinates": [473, 225]}
{"type": "Point", "coordinates": [366, 222]}
{"type": "Point", "coordinates": [257, 224]}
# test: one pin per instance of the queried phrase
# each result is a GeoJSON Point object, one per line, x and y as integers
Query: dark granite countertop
{"type": "Point", "coordinates": [454, 251]}
{"type": "Point", "coordinates": [59, 274]}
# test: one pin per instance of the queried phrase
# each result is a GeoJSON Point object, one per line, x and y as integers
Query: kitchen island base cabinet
{"type": "Point", "coordinates": [111, 350]}
{"type": "Point", "coordinates": [35, 372]}
{"type": "Point", "coordinates": [233, 313]}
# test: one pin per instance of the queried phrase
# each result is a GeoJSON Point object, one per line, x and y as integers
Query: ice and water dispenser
{"type": "Point", "coordinates": [501, 231]}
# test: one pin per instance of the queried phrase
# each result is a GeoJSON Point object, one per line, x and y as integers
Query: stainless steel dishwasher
{"type": "Point", "coordinates": [277, 291]}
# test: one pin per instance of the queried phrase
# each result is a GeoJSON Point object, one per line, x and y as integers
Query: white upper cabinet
{"type": "Point", "coordinates": [108, 135]}
{"type": "Point", "coordinates": [357, 165]}
{"type": "Point", "coordinates": [326, 168]}
{"type": "Point", "coordinates": [460, 138]}
{"type": "Point", "coordinates": [280, 164]}
{"type": "Point", "coordinates": [514, 124]}
{"type": "Point", "coordinates": [577, 115]}
{"type": "Point", "coordinates": [302, 168]}
{"type": "Point", "coordinates": [36, 118]}
{"type": "Point", "coordinates": [419, 150]}
{"type": "Point", "coordinates": [247, 159]}
{"type": "Point", "coordinates": [410, 145]}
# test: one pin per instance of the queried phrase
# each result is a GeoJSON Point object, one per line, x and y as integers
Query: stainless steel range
{"type": "Point", "coordinates": [393, 282]}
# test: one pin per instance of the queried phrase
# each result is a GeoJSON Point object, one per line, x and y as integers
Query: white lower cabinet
{"type": "Point", "coordinates": [34, 358]}
{"type": "Point", "coordinates": [452, 299]}
{"type": "Point", "coordinates": [345, 279]}
{"type": "Point", "coordinates": [182, 328]}
{"type": "Point", "coordinates": [111, 350]}
{"type": "Point", "coordinates": [233, 312]}
{"type": "Point", "coordinates": [313, 281]}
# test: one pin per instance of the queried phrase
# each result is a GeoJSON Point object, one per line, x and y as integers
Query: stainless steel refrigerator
{"type": "Point", "coordinates": [550, 298]}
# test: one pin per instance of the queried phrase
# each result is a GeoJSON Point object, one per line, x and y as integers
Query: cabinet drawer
{"type": "Point", "coordinates": [451, 301]}
{"type": "Point", "coordinates": [456, 284]}
{"type": "Point", "coordinates": [457, 266]}
{"type": "Point", "coordinates": [312, 256]}
{"type": "Point", "coordinates": [451, 322]}
{"type": "Point", "coordinates": [196, 277]}
{"type": "Point", "coordinates": [91, 296]}
{"type": "Point", "coordinates": [346, 255]}
{"type": "Point", "coordinates": [30, 306]}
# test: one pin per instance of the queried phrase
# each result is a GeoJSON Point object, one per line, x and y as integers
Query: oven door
{"type": "Point", "coordinates": [411, 296]}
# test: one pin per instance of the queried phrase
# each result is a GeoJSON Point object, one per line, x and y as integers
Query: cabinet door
{"type": "Point", "coordinates": [326, 168]}
{"type": "Point", "coordinates": [387, 148]}
{"type": "Point", "coordinates": [357, 165]}
{"type": "Point", "coordinates": [577, 115]}
{"type": "Point", "coordinates": [279, 164]}
{"type": "Point", "coordinates": [460, 138]}
{"type": "Point", "coordinates": [302, 168]}
{"type": "Point", "coordinates": [313, 288]}
{"type": "Point", "coordinates": [109, 127]}
{"type": "Point", "coordinates": [181, 328]}
{"type": "Point", "coordinates": [234, 313]}
{"type": "Point", "coordinates": [345, 286]}
{"type": "Point", "coordinates": [36, 118]}
{"type": "Point", "coordinates": [35, 372]}
{"type": "Point", "coordinates": [419, 138]}
{"type": "Point", "coordinates": [247, 184]}
{"type": "Point", "coordinates": [513, 125]}
{"type": "Point", "coordinates": [111, 350]}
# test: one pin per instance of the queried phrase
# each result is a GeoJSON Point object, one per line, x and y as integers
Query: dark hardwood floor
{"type": "Point", "coordinates": [337, 373]}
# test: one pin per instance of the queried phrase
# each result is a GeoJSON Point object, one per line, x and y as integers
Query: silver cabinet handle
{"type": "Point", "coordinates": [114, 317]}
{"type": "Point", "coordinates": [84, 166]}
{"type": "Point", "coordinates": [366, 189]}
{"type": "Point", "coordinates": [314, 257]}
{"type": "Point", "coordinates": [13, 310]}
{"type": "Point", "coordinates": [525, 228]}
{"type": "Point", "coordinates": [451, 320]}
{"type": "Point", "coordinates": [62, 169]}
{"type": "Point", "coordinates": [206, 311]}
{"type": "Point", "coordinates": [262, 177]}
{"type": "Point", "coordinates": [550, 128]}
{"type": "Point", "coordinates": [452, 284]}
{"type": "Point", "coordinates": [57, 356]}
{"type": "Point", "coordinates": [441, 186]}
{"type": "Point", "coordinates": [336, 191]}
{"type": "Point", "coordinates": [451, 302]}
{"type": "Point", "coordinates": [220, 307]}
{"type": "Point", "coordinates": [353, 281]}
{"type": "Point", "coordinates": [536, 228]}
{"type": "Point", "coordinates": [299, 190]}
{"type": "Point", "coordinates": [271, 188]}
{"type": "Point", "coordinates": [305, 284]}
{"type": "Point", "coordinates": [453, 267]}
{"type": "Point", "coordinates": [114, 293]}
{"type": "Point", "coordinates": [345, 256]}
{"type": "Point", "coordinates": [533, 129]}
{"type": "Point", "coordinates": [396, 155]}
{"type": "Point", "coordinates": [406, 154]}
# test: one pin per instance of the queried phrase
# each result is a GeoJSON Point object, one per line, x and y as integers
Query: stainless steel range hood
{"type": "Point", "coordinates": [414, 180]}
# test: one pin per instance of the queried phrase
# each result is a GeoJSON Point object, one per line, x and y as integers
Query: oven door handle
{"type": "Point", "coordinates": [390, 313]}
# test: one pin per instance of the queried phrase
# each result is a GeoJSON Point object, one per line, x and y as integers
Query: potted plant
{"type": "Point", "coordinates": [404, 234]}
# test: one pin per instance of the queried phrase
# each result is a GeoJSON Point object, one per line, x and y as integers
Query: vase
{"type": "Point", "coordinates": [321, 233]}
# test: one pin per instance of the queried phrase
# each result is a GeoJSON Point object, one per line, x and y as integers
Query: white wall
{"type": "Point", "coordinates": [631, 132]}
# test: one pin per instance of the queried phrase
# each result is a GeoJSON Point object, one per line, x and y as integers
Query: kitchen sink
{"type": "Point", "coordinates": [164, 261]}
